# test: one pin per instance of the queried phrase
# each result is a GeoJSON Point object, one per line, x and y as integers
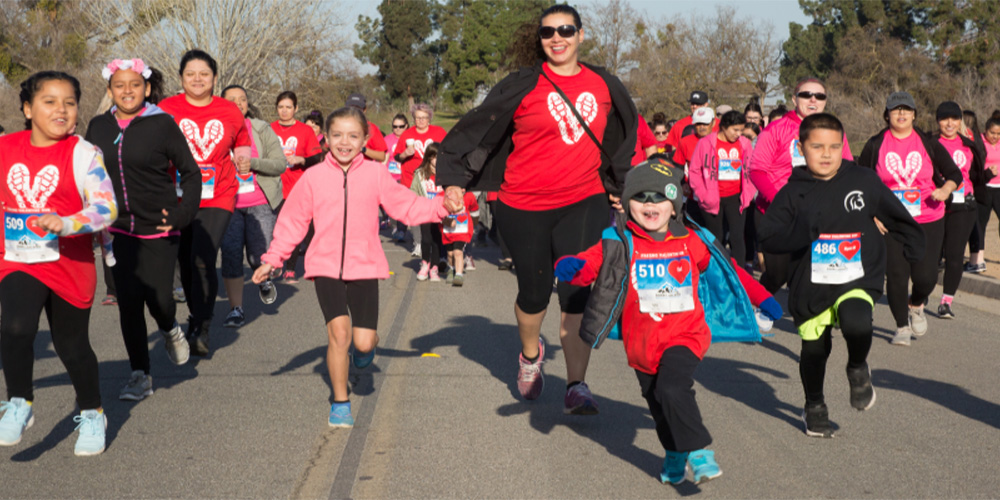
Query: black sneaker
{"type": "Point", "coordinates": [944, 311]}
{"type": "Point", "coordinates": [235, 318]}
{"type": "Point", "coordinates": [862, 392]}
{"type": "Point", "coordinates": [198, 339]}
{"type": "Point", "coordinates": [505, 265]}
{"type": "Point", "coordinates": [817, 421]}
{"type": "Point", "coordinates": [268, 292]}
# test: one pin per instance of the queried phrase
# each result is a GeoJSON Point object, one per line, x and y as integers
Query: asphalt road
{"type": "Point", "coordinates": [438, 417]}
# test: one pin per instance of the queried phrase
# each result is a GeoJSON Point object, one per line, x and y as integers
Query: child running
{"type": "Point", "coordinates": [456, 233]}
{"type": "Point", "coordinates": [424, 185]}
{"type": "Point", "coordinates": [663, 319]}
{"type": "Point", "coordinates": [56, 193]}
{"type": "Point", "coordinates": [825, 218]}
{"type": "Point", "coordinates": [341, 197]}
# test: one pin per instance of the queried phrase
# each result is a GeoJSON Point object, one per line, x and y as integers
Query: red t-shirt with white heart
{"type": "Point", "coordinates": [420, 142]}
{"type": "Point", "coordinates": [296, 139]}
{"type": "Point", "coordinates": [212, 133]}
{"type": "Point", "coordinates": [730, 158]}
{"type": "Point", "coordinates": [554, 163]}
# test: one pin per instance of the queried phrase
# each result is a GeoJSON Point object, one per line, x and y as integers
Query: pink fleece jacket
{"type": "Point", "coordinates": [343, 206]}
{"type": "Point", "coordinates": [703, 174]}
{"type": "Point", "coordinates": [774, 154]}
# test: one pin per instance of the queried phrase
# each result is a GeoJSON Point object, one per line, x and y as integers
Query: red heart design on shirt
{"type": "Point", "coordinates": [207, 174]}
{"type": "Point", "coordinates": [849, 248]}
{"type": "Point", "coordinates": [679, 269]}
{"type": "Point", "coordinates": [912, 196]}
{"type": "Point", "coordinates": [32, 224]}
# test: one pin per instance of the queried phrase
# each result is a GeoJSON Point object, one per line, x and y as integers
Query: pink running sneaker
{"type": "Point", "coordinates": [579, 401]}
{"type": "Point", "coordinates": [289, 277]}
{"type": "Point", "coordinates": [529, 376]}
{"type": "Point", "coordinates": [425, 268]}
{"type": "Point", "coordinates": [434, 274]}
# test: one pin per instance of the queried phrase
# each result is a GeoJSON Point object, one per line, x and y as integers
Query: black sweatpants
{"type": "Point", "coordinates": [670, 395]}
{"type": "Point", "coordinates": [992, 206]}
{"type": "Point", "coordinates": [776, 267]}
{"type": "Point", "coordinates": [855, 319]}
{"type": "Point", "coordinates": [144, 274]}
{"type": "Point", "coordinates": [729, 220]}
{"type": "Point", "coordinates": [431, 248]}
{"type": "Point", "coordinates": [537, 239]}
{"type": "Point", "coordinates": [899, 272]}
{"type": "Point", "coordinates": [958, 226]}
{"type": "Point", "coordinates": [22, 299]}
{"type": "Point", "coordinates": [199, 249]}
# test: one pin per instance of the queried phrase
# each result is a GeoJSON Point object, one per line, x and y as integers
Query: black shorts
{"type": "Point", "coordinates": [455, 245]}
{"type": "Point", "coordinates": [358, 298]}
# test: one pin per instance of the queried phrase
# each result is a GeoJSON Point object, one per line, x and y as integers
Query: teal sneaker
{"type": "Point", "coordinates": [91, 424]}
{"type": "Point", "coordinates": [703, 466]}
{"type": "Point", "coordinates": [363, 359]}
{"type": "Point", "coordinates": [17, 417]}
{"type": "Point", "coordinates": [674, 467]}
{"type": "Point", "coordinates": [340, 415]}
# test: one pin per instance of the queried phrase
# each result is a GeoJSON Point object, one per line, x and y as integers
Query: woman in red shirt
{"type": "Point", "coordinates": [217, 135]}
{"type": "Point", "coordinates": [554, 182]}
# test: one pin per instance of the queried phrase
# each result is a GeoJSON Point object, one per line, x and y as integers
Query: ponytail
{"type": "Point", "coordinates": [994, 119]}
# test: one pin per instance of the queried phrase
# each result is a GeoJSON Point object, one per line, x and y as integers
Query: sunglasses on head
{"type": "Point", "coordinates": [809, 95]}
{"type": "Point", "coordinates": [650, 197]}
{"type": "Point", "coordinates": [565, 31]}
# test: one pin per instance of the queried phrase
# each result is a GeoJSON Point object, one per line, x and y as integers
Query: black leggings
{"type": "Point", "coordinates": [992, 206]}
{"type": "Point", "coordinates": [536, 239]}
{"type": "Point", "coordinates": [199, 249]}
{"type": "Point", "coordinates": [729, 218]}
{"type": "Point", "coordinates": [144, 276]}
{"type": "Point", "coordinates": [431, 246]}
{"type": "Point", "coordinates": [670, 396]}
{"type": "Point", "coordinates": [776, 267]}
{"type": "Point", "coordinates": [22, 299]}
{"type": "Point", "coordinates": [300, 249]}
{"type": "Point", "coordinates": [958, 225]}
{"type": "Point", "coordinates": [899, 272]}
{"type": "Point", "coordinates": [855, 318]}
{"type": "Point", "coordinates": [495, 234]}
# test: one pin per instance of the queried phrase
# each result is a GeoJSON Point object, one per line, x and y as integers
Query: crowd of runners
{"type": "Point", "coordinates": [652, 231]}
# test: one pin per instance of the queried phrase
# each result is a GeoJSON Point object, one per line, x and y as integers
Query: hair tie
{"type": "Point", "coordinates": [136, 65]}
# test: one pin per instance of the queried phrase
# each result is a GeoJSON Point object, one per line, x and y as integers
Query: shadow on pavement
{"type": "Point", "coordinates": [737, 380]}
{"type": "Point", "coordinates": [950, 396]}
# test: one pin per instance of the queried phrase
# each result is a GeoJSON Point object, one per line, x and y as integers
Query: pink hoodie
{"type": "Point", "coordinates": [703, 174]}
{"type": "Point", "coordinates": [343, 206]}
{"type": "Point", "coordinates": [776, 154]}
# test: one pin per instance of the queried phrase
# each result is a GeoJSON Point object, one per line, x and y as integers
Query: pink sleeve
{"type": "Point", "coordinates": [696, 178]}
{"type": "Point", "coordinates": [847, 150]}
{"type": "Point", "coordinates": [762, 163]}
{"type": "Point", "coordinates": [292, 224]}
{"type": "Point", "coordinates": [404, 205]}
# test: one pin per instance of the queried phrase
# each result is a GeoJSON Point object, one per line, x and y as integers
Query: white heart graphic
{"type": "Point", "coordinates": [569, 127]}
{"type": "Point", "coordinates": [214, 131]}
{"type": "Point", "coordinates": [733, 154]}
{"type": "Point", "coordinates": [420, 147]}
{"type": "Point", "coordinates": [289, 145]}
{"type": "Point", "coordinates": [905, 175]}
{"type": "Point", "coordinates": [960, 160]}
{"type": "Point", "coordinates": [32, 194]}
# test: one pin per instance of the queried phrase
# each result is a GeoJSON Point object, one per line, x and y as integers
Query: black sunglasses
{"type": "Point", "coordinates": [399, 126]}
{"type": "Point", "coordinates": [565, 31]}
{"type": "Point", "coordinates": [650, 197]}
{"type": "Point", "coordinates": [809, 95]}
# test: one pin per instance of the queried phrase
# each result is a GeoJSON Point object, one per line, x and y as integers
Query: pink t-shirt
{"type": "Point", "coordinates": [245, 197]}
{"type": "Point", "coordinates": [992, 158]}
{"type": "Point", "coordinates": [962, 156]}
{"type": "Point", "coordinates": [905, 166]}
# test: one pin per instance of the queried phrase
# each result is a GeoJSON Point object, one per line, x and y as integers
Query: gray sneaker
{"type": "Point", "coordinates": [918, 323]}
{"type": "Point", "coordinates": [268, 292]}
{"type": "Point", "coordinates": [458, 280]}
{"type": "Point", "coordinates": [177, 347]}
{"type": "Point", "coordinates": [902, 336]}
{"type": "Point", "coordinates": [235, 318]}
{"type": "Point", "coordinates": [138, 387]}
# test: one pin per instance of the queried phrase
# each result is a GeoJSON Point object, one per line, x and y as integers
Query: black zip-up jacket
{"type": "Point", "coordinates": [807, 207]}
{"type": "Point", "coordinates": [139, 162]}
{"type": "Point", "coordinates": [474, 153]}
{"type": "Point", "coordinates": [944, 167]}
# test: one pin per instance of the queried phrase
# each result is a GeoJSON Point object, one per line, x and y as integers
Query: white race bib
{"type": "Point", "coordinates": [24, 241]}
{"type": "Point", "coordinates": [958, 195]}
{"type": "Point", "coordinates": [836, 259]}
{"type": "Point", "coordinates": [461, 225]}
{"type": "Point", "coordinates": [664, 285]}
{"type": "Point", "coordinates": [246, 183]}
{"type": "Point", "coordinates": [910, 198]}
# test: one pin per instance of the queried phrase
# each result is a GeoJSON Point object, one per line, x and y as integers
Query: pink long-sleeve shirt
{"type": "Point", "coordinates": [343, 206]}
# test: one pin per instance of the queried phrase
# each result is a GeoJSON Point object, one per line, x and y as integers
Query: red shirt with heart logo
{"type": "Point", "coordinates": [43, 178]}
{"type": "Point", "coordinates": [554, 163]}
{"type": "Point", "coordinates": [212, 133]}
{"type": "Point", "coordinates": [732, 152]}
{"type": "Point", "coordinates": [297, 139]}
{"type": "Point", "coordinates": [420, 143]}
{"type": "Point", "coordinates": [903, 164]}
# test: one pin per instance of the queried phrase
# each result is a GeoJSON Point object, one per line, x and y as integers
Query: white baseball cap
{"type": "Point", "coordinates": [703, 115]}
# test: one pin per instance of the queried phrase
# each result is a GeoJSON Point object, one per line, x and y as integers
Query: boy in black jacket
{"type": "Point", "coordinates": [825, 217]}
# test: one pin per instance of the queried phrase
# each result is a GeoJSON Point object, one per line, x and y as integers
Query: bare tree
{"type": "Point", "coordinates": [610, 31]}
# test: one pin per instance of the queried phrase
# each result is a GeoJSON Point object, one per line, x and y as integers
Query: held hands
{"type": "Point", "coordinates": [51, 223]}
{"type": "Point", "coordinates": [243, 164]}
{"type": "Point", "coordinates": [568, 266]}
{"type": "Point", "coordinates": [165, 227]}
{"type": "Point", "coordinates": [453, 199]}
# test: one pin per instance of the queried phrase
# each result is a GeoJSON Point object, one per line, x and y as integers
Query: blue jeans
{"type": "Point", "coordinates": [249, 228]}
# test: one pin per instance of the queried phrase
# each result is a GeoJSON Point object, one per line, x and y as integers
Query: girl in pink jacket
{"type": "Point", "coordinates": [341, 197]}
{"type": "Point", "coordinates": [720, 181]}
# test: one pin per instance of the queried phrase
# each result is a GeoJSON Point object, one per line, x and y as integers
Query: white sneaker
{"type": "Point", "coordinates": [92, 425]}
{"type": "Point", "coordinates": [137, 388]}
{"type": "Point", "coordinates": [470, 264]}
{"type": "Point", "coordinates": [918, 322]}
{"type": "Point", "coordinates": [902, 336]}
{"type": "Point", "coordinates": [17, 417]}
{"type": "Point", "coordinates": [177, 346]}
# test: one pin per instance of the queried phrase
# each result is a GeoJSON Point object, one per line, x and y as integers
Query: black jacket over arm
{"type": "Point", "coordinates": [944, 167]}
{"type": "Point", "coordinates": [474, 153]}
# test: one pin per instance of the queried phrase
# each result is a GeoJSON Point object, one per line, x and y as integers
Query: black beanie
{"type": "Point", "coordinates": [949, 109]}
{"type": "Point", "coordinates": [659, 175]}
